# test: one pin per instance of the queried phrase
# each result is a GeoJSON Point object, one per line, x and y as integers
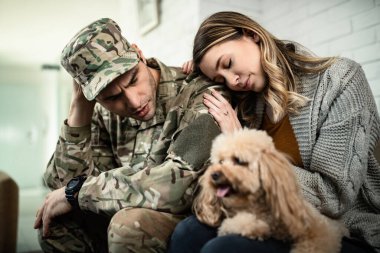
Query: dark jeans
{"type": "Point", "coordinates": [191, 236]}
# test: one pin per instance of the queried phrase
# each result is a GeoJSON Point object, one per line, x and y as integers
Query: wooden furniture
{"type": "Point", "coordinates": [9, 204]}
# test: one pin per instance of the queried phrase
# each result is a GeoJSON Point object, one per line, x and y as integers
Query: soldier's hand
{"type": "Point", "coordinates": [81, 109]}
{"type": "Point", "coordinates": [55, 204]}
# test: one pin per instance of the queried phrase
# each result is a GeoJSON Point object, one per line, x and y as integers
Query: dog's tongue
{"type": "Point", "coordinates": [222, 191]}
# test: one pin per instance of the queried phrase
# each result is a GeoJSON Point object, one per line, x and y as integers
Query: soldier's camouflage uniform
{"type": "Point", "coordinates": [141, 174]}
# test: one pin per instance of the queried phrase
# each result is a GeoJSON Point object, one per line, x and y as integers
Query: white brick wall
{"type": "Point", "coordinates": [366, 19]}
{"type": "Point", "coordinates": [349, 28]}
{"type": "Point", "coordinates": [208, 7]}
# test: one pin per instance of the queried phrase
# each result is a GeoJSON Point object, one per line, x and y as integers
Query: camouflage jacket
{"type": "Point", "coordinates": [131, 163]}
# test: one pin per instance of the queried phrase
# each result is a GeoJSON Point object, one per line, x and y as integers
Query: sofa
{"type": "Point", "coordinates": [9, 205]}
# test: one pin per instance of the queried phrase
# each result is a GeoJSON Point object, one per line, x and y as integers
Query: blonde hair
{"type": "Point", "coordinates": [280, 61]}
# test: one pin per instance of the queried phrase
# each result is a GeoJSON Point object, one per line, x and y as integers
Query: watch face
{"type": "Point", "coordinates": [72, 183]}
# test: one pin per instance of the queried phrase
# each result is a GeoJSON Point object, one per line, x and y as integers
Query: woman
{"type": "Point", "coordinates": [320, 111]}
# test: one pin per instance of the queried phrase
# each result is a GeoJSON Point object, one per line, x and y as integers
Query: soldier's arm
{"type": "Point", "coordinates": [80, 150]}
{"type": "Point", "coordinates": [168, 186]}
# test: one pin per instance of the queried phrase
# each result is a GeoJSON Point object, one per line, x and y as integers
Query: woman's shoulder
{"type": "Point", "coordinates": [342, 73]}
{"type": "Point", "coordinates": [343, 68]}
{"type": "Point", "coordinates": [345, 62]}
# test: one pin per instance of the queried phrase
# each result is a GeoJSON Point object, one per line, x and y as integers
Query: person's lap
{"type": "Point", "coordinates": [192, 236]}
{"type": "Point", "coordinates": [137, 230]}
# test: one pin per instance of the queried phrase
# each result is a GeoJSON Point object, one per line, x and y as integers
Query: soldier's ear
{"type": "Point", "coordinates": [139, 52]}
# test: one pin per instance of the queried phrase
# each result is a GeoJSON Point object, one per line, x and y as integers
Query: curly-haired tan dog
{"type": "Point", "coordinates": [251, 189]}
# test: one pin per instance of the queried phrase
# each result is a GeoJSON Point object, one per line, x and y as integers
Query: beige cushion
{"type": "Point", "coordinates": [8, 213]}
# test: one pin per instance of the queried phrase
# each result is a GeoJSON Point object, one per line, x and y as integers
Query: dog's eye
{"type": "Point", "coordinates": [238, 161]}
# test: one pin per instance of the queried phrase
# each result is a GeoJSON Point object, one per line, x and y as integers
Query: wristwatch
{"type": "Point", "coordinates": [72, 189]}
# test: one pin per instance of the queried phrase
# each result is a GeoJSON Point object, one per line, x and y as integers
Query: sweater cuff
{"type": "Point", "coordinates": [75, 134]}
{"type": "Point", "coordinates": [310, 182]}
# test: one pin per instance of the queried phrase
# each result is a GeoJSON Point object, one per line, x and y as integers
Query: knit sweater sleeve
{"type": "Point", "coordinates": [346, 134]}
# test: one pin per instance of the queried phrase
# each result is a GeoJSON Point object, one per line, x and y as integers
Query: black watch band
{"type": "Point", "coordinates": [72, 188]}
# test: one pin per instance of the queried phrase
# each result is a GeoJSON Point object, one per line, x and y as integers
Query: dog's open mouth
{"type": "Point", "coordinates": [223, 191]}
{"type": "Point", "coordinates": [222, 184]}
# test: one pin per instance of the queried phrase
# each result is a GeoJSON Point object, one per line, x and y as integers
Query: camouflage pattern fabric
{"type": "Point", "coordinates": [133, 164]}
{"type": "Point", "coordinates": [140, 230]}
{"type": "Point", "coordinates": [96, 55]}
{"type": "Point", "coordinates": [135, 230]}
{"type": "Point", "coordinates": [76, 232]}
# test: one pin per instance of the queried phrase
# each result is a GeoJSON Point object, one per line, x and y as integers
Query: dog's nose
{"type": "Point", "coordinates": [216, 175]}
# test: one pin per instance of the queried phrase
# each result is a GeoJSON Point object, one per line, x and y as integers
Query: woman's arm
{"type": "Point", "coordinates": [347, 132]}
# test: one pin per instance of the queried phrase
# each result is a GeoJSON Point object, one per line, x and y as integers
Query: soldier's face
{"type": "Point", "coordinates": [132, 94]}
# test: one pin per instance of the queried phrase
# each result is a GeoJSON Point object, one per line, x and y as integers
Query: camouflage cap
{"type": "Point", "coordinates": [97, 55]}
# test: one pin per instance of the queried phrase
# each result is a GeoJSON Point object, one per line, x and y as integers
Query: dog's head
{"type": "Point", "coordinates": [246, 170]}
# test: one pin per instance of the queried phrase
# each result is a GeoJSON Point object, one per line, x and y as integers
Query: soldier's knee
{"type": "Point", "coordinates": [124, 231]}
{"type": "Point", "coordinates": [128, 219]}
{"type": "Point", "coordinates": [139, 230]}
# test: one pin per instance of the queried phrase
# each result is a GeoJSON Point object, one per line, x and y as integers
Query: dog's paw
{"type": "Point", "coordinates": [229, 227]}
{"type": "Point", "coordinates": [258, 230]}
{"type": "Point", "coordinates": [245, 224]}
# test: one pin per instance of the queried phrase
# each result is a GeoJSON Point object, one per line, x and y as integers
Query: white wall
{"type": "Point", "coordinates": [24, 124]}
{"type": "Point", "coordinates": [171, 42]}
{"type": "Point", "coordinates": [36, 31]}
{"type": "Point", "coordinates": [252, 8]}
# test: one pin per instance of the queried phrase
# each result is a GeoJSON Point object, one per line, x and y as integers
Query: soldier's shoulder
{"type": "Point", "coordinates": [197, 84]}
{"type": "Point", "coordinates": [195, 78]}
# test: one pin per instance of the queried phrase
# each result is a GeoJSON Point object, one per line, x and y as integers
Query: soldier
{"type": "Point", "coordinates": [136, 139]}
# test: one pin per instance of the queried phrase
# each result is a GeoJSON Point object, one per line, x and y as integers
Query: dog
{"type": "Point", "coordinates": [250, 189]}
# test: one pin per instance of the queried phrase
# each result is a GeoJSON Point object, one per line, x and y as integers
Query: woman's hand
{"type": "Point", "coordinates": [222, 112]}
{"type": "Point", "coordinates": [188, 67]}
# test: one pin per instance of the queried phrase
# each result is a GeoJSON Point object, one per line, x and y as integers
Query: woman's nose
{"type": "Point", "coordinates": [232, 79]}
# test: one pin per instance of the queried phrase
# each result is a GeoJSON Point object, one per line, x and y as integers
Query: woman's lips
{"type": "Point", "coordinates": [246, 85]}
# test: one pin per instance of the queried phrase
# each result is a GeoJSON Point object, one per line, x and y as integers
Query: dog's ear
{"type": "Point", "coordinates": [207, 207]}
{"type": "Point", "coordinates": [282, 193]}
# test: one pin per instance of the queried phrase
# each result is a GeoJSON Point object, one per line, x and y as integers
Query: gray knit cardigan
{"type": "Point", "coordinates": [337, 132]}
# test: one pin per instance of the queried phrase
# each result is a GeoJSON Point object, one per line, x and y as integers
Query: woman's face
{"type": "Point", "coordinates": [236, 63]}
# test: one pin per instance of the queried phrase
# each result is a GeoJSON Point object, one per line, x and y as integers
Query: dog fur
{"type": "Point", "coordinates": [250, 189]}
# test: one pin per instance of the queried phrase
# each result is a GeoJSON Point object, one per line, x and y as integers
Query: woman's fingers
{"type": "Point", "coordinates": [210, 102]}
{"type": "Point", "coordinates": [218, 104]}
{"type": "Point", "coordinates": [219, 96]}
{"type": "Point", "coordinates": [222, 111]}
{"type": "Point", "coordinates": [187, 67]}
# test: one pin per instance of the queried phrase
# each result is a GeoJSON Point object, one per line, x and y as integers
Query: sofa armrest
{"type": "Point", "coordinates": [9, 204]}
